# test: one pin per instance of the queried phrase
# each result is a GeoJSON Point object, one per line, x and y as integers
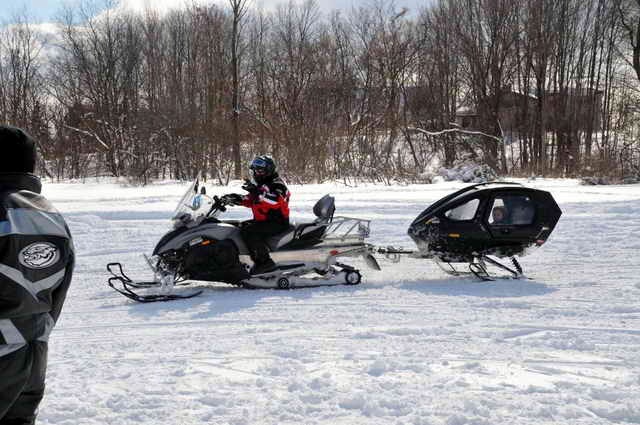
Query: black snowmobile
{"type": "Point", "coordinates": [202, 247]}
{"type": "Point", "coordinates": [479, 222]}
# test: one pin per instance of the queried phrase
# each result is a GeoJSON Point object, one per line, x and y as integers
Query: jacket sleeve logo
{"type": "Point", "coordinates": [39, 255]}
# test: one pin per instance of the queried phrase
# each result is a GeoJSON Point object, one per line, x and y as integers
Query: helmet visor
{"type": "Point", "coordinates": [259, 167]}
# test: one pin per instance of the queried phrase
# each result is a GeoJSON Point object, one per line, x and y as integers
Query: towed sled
{"type": "Point", "coordinates": [481, 224]}
{"type": "Point", "coordinates": [477, 226]}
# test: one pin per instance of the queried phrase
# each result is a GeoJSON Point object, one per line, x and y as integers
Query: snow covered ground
{"type": "Point", "coordinates": [410, 345]}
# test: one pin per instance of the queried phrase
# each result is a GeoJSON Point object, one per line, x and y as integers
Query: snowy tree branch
{"type": "Point", "coordinates": [88, 133]}
{"type": "Point", "coordinates": [453, 130]}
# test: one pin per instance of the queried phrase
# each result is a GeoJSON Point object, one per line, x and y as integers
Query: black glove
{"type": "Point", "coordinates": [250, 187]}
{"type": "Point", "coordinates": [233, 199]}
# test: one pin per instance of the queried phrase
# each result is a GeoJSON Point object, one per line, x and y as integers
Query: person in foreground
{"type": "Point", "coordinates": [268, 199]}
{"type": "Point", "coordinates": [36, 264]}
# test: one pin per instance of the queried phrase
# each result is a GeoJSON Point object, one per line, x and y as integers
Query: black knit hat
{"type": "Point", "coordinates": [17, 151]}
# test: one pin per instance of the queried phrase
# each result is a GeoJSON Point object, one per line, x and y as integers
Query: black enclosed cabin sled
{"type": "Point", "coordinates": [497, 218]}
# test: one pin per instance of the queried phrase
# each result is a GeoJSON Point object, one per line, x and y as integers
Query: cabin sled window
{"type": "Point", "coordinates": [465, 211]}
{"type": "Point", "coordinates": [511, 210]}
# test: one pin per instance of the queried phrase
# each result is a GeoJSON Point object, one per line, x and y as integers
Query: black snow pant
{"type": "Point", "coordinates": [255, 235]}
{"type": "Point", "coordinates": [22, 375]}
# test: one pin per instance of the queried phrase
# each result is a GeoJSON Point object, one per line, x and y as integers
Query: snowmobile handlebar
{"type": "Point", "coordinates": [219, 204]}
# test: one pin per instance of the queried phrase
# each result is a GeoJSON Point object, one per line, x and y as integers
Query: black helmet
{"type": "Point", "coordinates": [18, 151]}
{"type": "Point", "coordinates": [262, 168]}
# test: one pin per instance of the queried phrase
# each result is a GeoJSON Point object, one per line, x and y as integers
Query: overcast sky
{"type": "Point", "coordinates": [47, 10]}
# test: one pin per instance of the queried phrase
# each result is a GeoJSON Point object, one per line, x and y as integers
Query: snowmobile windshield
{"type": "Point", "coordinates": [187, 198]}
{"type": "Point", "coordinates": [192, 207]}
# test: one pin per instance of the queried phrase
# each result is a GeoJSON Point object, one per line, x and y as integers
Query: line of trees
{"type": "Point", "coordinates": [376, 93]}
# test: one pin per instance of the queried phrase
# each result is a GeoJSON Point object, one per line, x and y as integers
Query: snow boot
{"type": "Point", "coordinates": [264, 267]}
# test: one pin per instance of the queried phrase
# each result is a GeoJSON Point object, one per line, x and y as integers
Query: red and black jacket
{"type": "Point", "coordinates": [270, 202]}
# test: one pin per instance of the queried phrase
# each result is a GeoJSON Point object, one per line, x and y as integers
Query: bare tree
{"type": "Point", "coordinates": [439, 78]}
{"type": "Point", "coordinates": [371, 94]}
{"type": "Point", "coordinates": [487, 32]}
{"type": "Point", "coordinates": [21, 80]}
{"type": "Point", "coordinates": [238, 10]}
{"type": "Point", "coordinates": [629, 11]}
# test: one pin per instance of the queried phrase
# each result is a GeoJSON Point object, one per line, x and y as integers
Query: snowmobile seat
{"type": "Point", "coordinates": [303, 234]}
{"type": "Point", "coordinates": [274, 241]}
{"type": "Point", "coordinates": [324, 209]}
{"type": "Point", "coordinates": [306, 234]}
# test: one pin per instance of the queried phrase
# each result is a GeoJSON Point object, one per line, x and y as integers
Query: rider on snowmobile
{"type": "Point", "coordinates": [268, 198]}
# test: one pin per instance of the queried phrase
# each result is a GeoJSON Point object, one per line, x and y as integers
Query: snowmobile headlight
{"type": "Point", "coordinates": [197, 201]}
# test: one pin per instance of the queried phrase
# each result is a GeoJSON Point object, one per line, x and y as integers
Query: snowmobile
{"type": "Point", "coordinates": [480, 224]}
{"type": "Point", "coordinates": [202, 247]}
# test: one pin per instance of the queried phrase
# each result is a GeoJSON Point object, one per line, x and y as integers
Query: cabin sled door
{"type": "Point", "coordinates": [511, 217]}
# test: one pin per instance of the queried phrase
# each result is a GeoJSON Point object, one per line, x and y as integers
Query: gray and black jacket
{"type": "Point", "coordinates": [36, 262]}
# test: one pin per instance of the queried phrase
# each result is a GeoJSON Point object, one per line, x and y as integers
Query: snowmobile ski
{"type": "Point", "coordinates": [479, 269]}
{"type": "Point", "coordinates": [126, 286]}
